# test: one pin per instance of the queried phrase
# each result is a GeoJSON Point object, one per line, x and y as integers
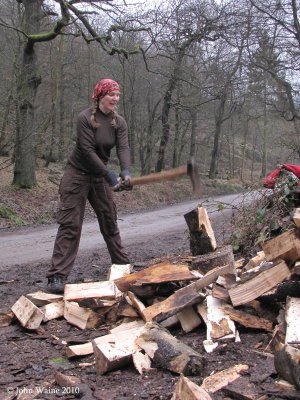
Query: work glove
{"type": "Point", "coordinates": [114, 181]}
{"type": "Point", "coordinates": [125, 176]}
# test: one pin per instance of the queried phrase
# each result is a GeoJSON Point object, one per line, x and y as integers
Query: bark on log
{"type": "Point", "coordinates": [248, 320]}
{"type": "Point", "coordinates": [221, 256]}
{"type": "Point", "coordinates": [202, 237]}
{"type": "Point", "coordinates": [168, 352]}
{"type": "Point", "coordinates": [159, 273]}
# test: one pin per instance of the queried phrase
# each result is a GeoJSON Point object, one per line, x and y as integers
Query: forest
{"type": "Point", "coordinates": [216, 80]}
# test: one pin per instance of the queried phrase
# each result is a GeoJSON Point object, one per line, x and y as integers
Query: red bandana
{"type": "Point", "coordinates": [104, 87]}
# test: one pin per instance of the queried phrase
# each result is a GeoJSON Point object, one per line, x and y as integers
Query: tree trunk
{"type": "Point", "coordinates": [146, 167]}
{"type": "Point", "coordinates": [3, 132]}
{"type": "Point", "coordinates": [265, 134]}
{"type": "Point", "coordinates": [246, 126]}
{"type": "Point", "coordinates": [176, 139]}
{"type": "Point", "coordinates": [167, 106]}
{"type": "Point", "coordinates": [216, 149]}
{"type": "Point", "coordinates": [193, 133]}
{"type": "Point", "coordinates": [28, 82]}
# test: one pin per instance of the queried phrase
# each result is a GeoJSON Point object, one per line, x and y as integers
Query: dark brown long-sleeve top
{"type": "Point", "coordinates": [93, 146]}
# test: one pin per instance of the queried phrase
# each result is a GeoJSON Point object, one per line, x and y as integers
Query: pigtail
{"type": "Point", "coordinates": [114, 120]}
{"type": "Point", "coordinates": [94, 123]}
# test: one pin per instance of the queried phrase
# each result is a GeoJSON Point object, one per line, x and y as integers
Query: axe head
{"type": "Point", "coordinates": [192, 172]}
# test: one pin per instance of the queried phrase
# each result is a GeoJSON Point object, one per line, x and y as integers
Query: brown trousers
{"type": "Point", "coordinates": [75, 189]}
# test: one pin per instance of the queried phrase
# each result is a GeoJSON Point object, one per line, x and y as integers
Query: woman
{"type": "Point", "coordinates": [87, 177]}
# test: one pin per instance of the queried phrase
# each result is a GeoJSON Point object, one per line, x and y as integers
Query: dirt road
{"type": "Point", "coordinates": [36, 245]}
{"type": "Point", "coordinates": [30, 360]}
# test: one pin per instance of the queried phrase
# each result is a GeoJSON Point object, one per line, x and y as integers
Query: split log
{"type": "Point", "coordinates": [78, 350]}
{"type": "Point", "coordinates": [221, 293]}
{"type": "Point", "coordinates": [137, 304]}
{"type": "Point", "coordinates": [159, 273]}
{"type": "Point", "coordinates": [278, 336]}
{"type": "Point", "coordinates": [263, 311]}
{"type": "Point", "coordinates": [281, 291]}
{"type": "Point", "coordinates": [221, 256]}
{"type": "Point", "coordinates": [292, 318]}
{"type": "Point", "coordinates": [217, 381]}
{"type": "Point", "coordinates": [248, 320]}
{"type": "Point", "coordinates": [287, 364]}
{"type": "Point", "coordinates": [116, 349]}
{"type": "Point", "coordinates": [81, 317]}
{"type": "Point", "coordinates": [6, 318]}
{"type": "Point", "coordinates": [255, 261]}
{"type": "Point", "coordinates": [219, 325]}
{"type": "Point", "coordinates": [243, 389]}
{"type": "Point", "coordinates": [208, 344]}
{"type": "Point", "coordinates": [296, 217]}
{"type": "Point", "coordinates": [169, 322]}
{"type": "Point", "coordinates": [72, 385]}
{"type": "Point", "coordinates": [202, 237]}
{"type": "Point", "coordinates": [285, 246]}
{"type": "Point", "coordinates": [296, 269]}
{"type": "Point", "coordinates": [96, 304]}
{"type": "Point", "coordinates": [53, 311]}
{"type": "Point", "coordinates": [90, 290]}
{"type": "Point", "coordinates": [184, 297]}
{"type": "Point", "coordinates": [40, 298]}
{"type": "Point", "coordinates": [255, 287]}
{"type": "Point", "coordinates": [141, 361]}
{"type": "Point", "coordinates": [117, 271]}
{"type": "Point", "coordinates": [188, 319]}
{"type": "Point", "coordinates": [125, 308]}
{"type": "Point", "coordinates": [284, 385]}
{"type": "Point", "coordinates": [28, 314]}
{"type": "Point", "coordinates": [168, 352]}
{"type": "Point", "coordinates": [188, 390]}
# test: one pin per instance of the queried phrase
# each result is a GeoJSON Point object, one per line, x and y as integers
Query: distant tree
{"type": "Point", "coordinates": [179, 26]}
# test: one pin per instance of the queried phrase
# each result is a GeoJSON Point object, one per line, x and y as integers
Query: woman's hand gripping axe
{"type": "Point", "coordinates": [190, 169]}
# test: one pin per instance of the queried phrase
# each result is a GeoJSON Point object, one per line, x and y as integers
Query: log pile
{"type": "Point", "coordinates": [210, 289]}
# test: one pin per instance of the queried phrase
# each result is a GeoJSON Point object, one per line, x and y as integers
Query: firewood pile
{"type": "Point", "coordinates": [207, 287]}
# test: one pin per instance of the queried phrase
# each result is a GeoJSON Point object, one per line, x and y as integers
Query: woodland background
{"type": "Point", "coordinates": [217, 80]}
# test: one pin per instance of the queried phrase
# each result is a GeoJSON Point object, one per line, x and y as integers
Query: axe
{"type": "Point", "coordinates": [189, 169]}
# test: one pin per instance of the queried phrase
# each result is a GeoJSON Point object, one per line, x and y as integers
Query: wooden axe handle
{"type": "Point", "coordinates": [160, 176]}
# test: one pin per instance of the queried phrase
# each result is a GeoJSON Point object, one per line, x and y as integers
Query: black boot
{"type": "Point", "coordinates": [56, 284]}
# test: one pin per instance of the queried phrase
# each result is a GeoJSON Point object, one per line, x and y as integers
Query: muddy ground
{"type": "Point", "coordinates": [31, 359]}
